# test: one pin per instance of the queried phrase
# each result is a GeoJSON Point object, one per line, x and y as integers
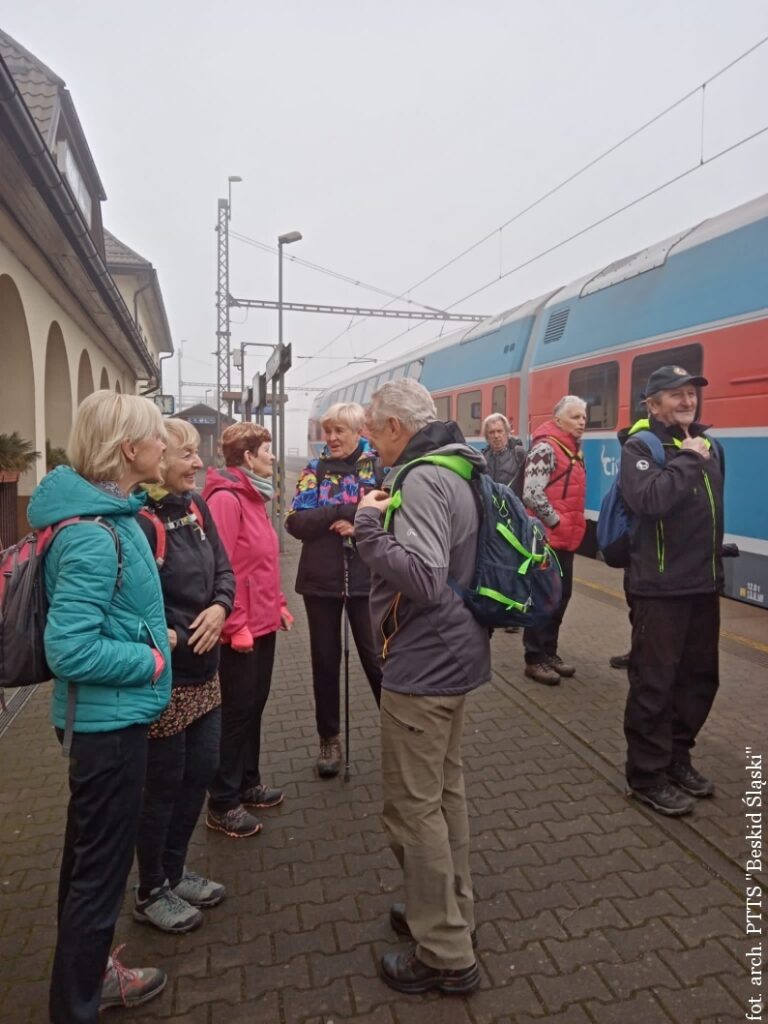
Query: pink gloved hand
{"type": "Point", "coordinates": [159, 664]}
{"type": "Point", "coordinates": [242, 641]}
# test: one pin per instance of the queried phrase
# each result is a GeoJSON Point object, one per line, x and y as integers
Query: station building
{"type": "Point", "coordinates": [79, 309]}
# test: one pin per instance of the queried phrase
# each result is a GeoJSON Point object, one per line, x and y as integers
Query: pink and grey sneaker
{"type": "Point", "coordinates": [129, 986]}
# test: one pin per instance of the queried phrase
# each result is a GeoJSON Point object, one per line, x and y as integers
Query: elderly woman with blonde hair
{"type": "Point", "coordinates": [330, 574]}
{"type": "Point", "coordinates": [198, 588]}
{"type": "Point", "coordinates": [107, 647]}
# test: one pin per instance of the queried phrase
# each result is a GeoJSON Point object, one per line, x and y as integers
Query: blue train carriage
{"type": "Point", "coordinates": [699, 299]}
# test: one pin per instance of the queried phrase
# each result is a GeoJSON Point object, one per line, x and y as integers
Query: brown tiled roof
{"type": "Point", "coordinates": [37, 84]}
{"type": "Point", "coordinates": [118, 254]}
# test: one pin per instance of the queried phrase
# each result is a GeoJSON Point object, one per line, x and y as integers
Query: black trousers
{"type": "Point", "coordinates": [179, 770]}
{"type": "Point", "coordinates": [541, 643]}
{"type": "Point", "coordinates": [106, 777]}
{"type": "Point", "coordinates": [245, 683]}
{"type": "Point", "coordinates": [324, 615]}
{"type": "Point", "coordinates": [673, 679]}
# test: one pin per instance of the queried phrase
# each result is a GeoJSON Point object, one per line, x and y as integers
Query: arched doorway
{"type": "Point", "coordinates": [84, 377]}
{"type": "Point", "coordinates": [118, 389]}
{"type": "Point", "coordinates": [104, 382]}
{"type": "Point", "coordinates": [58, 389]}
{"type": "Point", "coordinates": [17, 402]}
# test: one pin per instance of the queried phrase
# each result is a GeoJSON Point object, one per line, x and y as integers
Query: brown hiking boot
{"type": "Point", "coordinates": [329, 761]}
{"type": "Point", "coordinates": [561, 667]}
{"type": "Point", "coordinates": [542, 672]}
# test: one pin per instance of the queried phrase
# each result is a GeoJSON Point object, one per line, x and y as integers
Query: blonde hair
{"type": "Point", "coordinates": [102, 422]}
{"type": "Point", "coordinates": [183, 434]}
{"type": "Point", "coordinates": [349, 414]}
{"type": "Point", "coordinates": [241, 438]}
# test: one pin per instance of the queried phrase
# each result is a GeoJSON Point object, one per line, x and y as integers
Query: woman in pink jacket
{"type": "Point", "coordinates": [237, 497]}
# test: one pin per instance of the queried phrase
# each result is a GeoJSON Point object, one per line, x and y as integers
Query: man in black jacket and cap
{"type": "Point", "coordinates": [675, 579]}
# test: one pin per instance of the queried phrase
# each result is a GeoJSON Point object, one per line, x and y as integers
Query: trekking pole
{"type": "Point", "coordinates": [347, 548]}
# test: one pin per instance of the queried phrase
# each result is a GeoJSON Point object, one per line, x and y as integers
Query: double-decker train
{"type": "Point", "coordinates": [698, 299]}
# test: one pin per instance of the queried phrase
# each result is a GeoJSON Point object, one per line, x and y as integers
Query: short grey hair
{"type": "Point", "coordinates": [347, 414]}
{"type": "Point", "coordinates": [493, 418]}
{"type": "Point", "coordinates": [567, 400]}
{"type": "Point", "coordinates": [405, 400]}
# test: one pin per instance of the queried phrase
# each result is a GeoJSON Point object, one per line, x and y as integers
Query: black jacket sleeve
{"type": "Point", "coordinates": [223, 576]}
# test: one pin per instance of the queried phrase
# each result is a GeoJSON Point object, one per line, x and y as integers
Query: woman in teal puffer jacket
{"type": "Point", "coordinates": [106, 643]}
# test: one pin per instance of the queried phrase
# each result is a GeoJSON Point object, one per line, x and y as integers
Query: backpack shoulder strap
{"type": "Point", "coordinates": [158, 527]}
{"type": "Point", "coordinates": [654, 443]}
{"type": "Point", "coordinates": [98, 521]}
{"type": "Point", "coordinates": [457, 463]}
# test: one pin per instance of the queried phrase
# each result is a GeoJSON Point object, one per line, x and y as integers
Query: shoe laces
{"type": "Point", "coordinates": [124, 974]}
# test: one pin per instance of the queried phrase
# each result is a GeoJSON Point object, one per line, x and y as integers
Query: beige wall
{"type": "Point", "coordinates": [47, 362]}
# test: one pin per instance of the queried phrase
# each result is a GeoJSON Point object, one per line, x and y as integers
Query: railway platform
{"type": "Point", "coordinates": [591, 909]}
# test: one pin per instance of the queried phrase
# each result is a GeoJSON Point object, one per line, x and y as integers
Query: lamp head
{"type": "Point", "coordinates": [290, 236]}
{"type": "Point", "coordinates": [234, 177]}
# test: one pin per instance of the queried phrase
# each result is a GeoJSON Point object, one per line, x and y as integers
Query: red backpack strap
{"type": "Point", "coordinates": [158, 548]}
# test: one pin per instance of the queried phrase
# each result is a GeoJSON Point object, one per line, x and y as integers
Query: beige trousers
{"type": "Point", "coordinates": [425, 815]}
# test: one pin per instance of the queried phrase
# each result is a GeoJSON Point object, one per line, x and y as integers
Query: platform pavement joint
{"type": "Point", "coordinates": [590, 910]}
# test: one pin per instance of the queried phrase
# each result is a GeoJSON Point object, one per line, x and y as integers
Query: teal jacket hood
{"type": "Point", "coordinates": [63, 493]}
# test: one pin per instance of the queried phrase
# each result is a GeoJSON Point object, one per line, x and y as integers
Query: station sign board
{"type": "Point", "coordinates": [165, 403]}
{"type": "Point", "coordinates": [278, 362]}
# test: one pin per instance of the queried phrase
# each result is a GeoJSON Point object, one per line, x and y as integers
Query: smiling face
{"type": "Point", "coordinates": [181, 463]}
{"type": "Point", "coordinates": [573, 420]}
{"type": "Point", "coordinates": [341, 439]}
{"type": "Point", "coordinates": [496, 435]}
{"type": "Point", "coordinates": [676, 407]}
{"type": "Point", "coordinates": [260, 461]}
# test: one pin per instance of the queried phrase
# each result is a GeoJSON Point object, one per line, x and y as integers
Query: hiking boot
{"type": "Point", "coordinates": [511, 629]}
{"type": "Point", "coordinates": [685, 777]}
{"type": "Point", "coordinates": [619, 661]}
{"type": "Point", "coordinates": [262, 796]}
{"type": "Point", "coordinates": [666, 799]}
{"type": "Point", "coordinates": [399, 923]}
{"type": "Point", "coordinates": [329, 761]}
{"type": "Point", "coordinates": [236, 822]}
{"type": "Point", "coordinates": [167, 911]}
{"type": "Point", "coordinates": [124, 986]}
{"type": "Point", "coordinates": [543, 673]}
{"type": "Point", "coordinates": [561, 667]}
{"type": "Point", "coordinates": [406, 973]}
{"type": "Point", "coordinates": [199, 891]}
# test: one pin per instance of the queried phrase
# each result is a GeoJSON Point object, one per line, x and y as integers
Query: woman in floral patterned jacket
{"type": "Point", "coordinates": [330, 573]}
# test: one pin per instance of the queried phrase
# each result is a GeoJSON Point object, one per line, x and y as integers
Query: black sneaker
{"type": "Point", "coordinates": [399, 923]}
{"type": "Point", "coordinates": [237, 822]}
{"type": "Point", "coordinates": [619, 661]}
{"type": "Point", "coordinates": [262, 796]}
{"type": "Point", "coordinates": [686, 777]}
{"type": "Point", "coordinates": [406, 973]}
{"type": "Point", "coordinates": [666, 799]}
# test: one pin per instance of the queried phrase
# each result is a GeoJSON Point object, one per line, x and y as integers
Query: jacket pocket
{"type": "Point", "coordinates": [401, 724]}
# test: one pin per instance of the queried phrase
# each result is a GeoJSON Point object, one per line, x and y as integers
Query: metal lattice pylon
{"type": "Point", "coordinates": [222, 306]}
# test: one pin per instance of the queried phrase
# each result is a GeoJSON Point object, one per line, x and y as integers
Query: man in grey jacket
{"type": "Point", "coordinates": [433, 653]}
{"type": "Point", "coordinates": [505, 453]}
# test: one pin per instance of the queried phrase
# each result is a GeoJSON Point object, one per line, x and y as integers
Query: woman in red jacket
{"type": "Point", "coordinates": [555, 492]}
{"type": "Point", "coordinates": [237, 497]}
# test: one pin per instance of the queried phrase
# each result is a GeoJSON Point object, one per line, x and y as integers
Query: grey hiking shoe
{"type": "Point", "coordinates": [126, 986]}
{"type": "Point", "coordinates": [329, 761]}
{"type": "Point", "coordinates": [664, 799]}
{"type": "Point", "coordinates": [198, 891]}
{"type": "Point", "coordinates": [167, 911]}
{"type": "Point", "coordinates": [237, 822]}
{"type": "Point", "coordinates": [262, 796]}
{"type": "Point", "coordinates": [691, 781]}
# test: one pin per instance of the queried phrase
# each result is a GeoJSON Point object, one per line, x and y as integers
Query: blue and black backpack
{"type": "Point", "coordinates": [517, 579]}
{"type": "Point", "coordinates": [615, 522]}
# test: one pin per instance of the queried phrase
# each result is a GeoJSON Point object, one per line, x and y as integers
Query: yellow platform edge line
{"type": "Point", "coordinates": [619, 595]}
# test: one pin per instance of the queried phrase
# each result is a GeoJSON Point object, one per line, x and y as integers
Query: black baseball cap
{"type": "Point", "coordinates": [666, 378]}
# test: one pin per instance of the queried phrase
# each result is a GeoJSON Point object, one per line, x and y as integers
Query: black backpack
{"type": "Point", "coordinates": [24, 610]}
{"type": "Point", "coordinates": [517, 580]}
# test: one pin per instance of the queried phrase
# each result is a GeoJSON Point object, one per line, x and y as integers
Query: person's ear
{"type": "Point", "coordinates": [128, 448]}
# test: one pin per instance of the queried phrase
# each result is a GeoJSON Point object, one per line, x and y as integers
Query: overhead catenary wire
{"type": "Point", "coordinates": [701, 162]}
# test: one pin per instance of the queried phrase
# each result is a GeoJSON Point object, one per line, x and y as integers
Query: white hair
{"type": "Point", "coordinates": [567, 400]}
{"type": "Point", "coordinates": [493, 418]}
{"type": "Point", "coordinates": [348, 414]}
{"type": "Point", "coordinates": [405, 400]}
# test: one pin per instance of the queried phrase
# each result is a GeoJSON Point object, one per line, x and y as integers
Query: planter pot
{"type": "Point", "coordinates": [9, 476]}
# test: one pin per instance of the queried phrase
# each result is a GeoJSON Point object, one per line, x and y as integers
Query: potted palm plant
{"type": "Point", "coordinates": [16, 457]}
{"type": "Point", "coordinates": [54, 456]}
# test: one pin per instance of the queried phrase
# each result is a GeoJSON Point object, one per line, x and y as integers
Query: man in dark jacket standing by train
{"type": "Point", "coordinates": [433, 653]}
{"type": "Point", "coordinates": [675, 578]}
{"type": "Point", "coordinates": [504, 453]}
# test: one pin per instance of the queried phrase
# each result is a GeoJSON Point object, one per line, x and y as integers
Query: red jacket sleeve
{"type": "Point", "coordinates": [227, 515]}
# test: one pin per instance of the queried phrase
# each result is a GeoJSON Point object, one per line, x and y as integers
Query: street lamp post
{"type": "Point", "coordinates": [286, 239]}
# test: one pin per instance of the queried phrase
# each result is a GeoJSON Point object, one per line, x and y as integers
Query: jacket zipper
{"type": "Point", "coordinates": [660, 544]}
{"type": "Point", "coordinates": [714, 523]}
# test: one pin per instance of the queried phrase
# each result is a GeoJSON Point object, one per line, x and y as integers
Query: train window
{"type": "Point", "coordinates": [358, 390]}
{"type": "Point", "coordinates": [599, 387]}
{"type": "Point", "coordinates": [398, 372]}
{"type": "Point", "coordinates": [443, 406]}
{"type": "Point", "coordinates": [414, 369]}
{"type": "Point", "coordinates": [468, 407]}
{"type": "Point", "coordinates": [689, 356]}
{"type": "Point", "coordinates": [499, 399]}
